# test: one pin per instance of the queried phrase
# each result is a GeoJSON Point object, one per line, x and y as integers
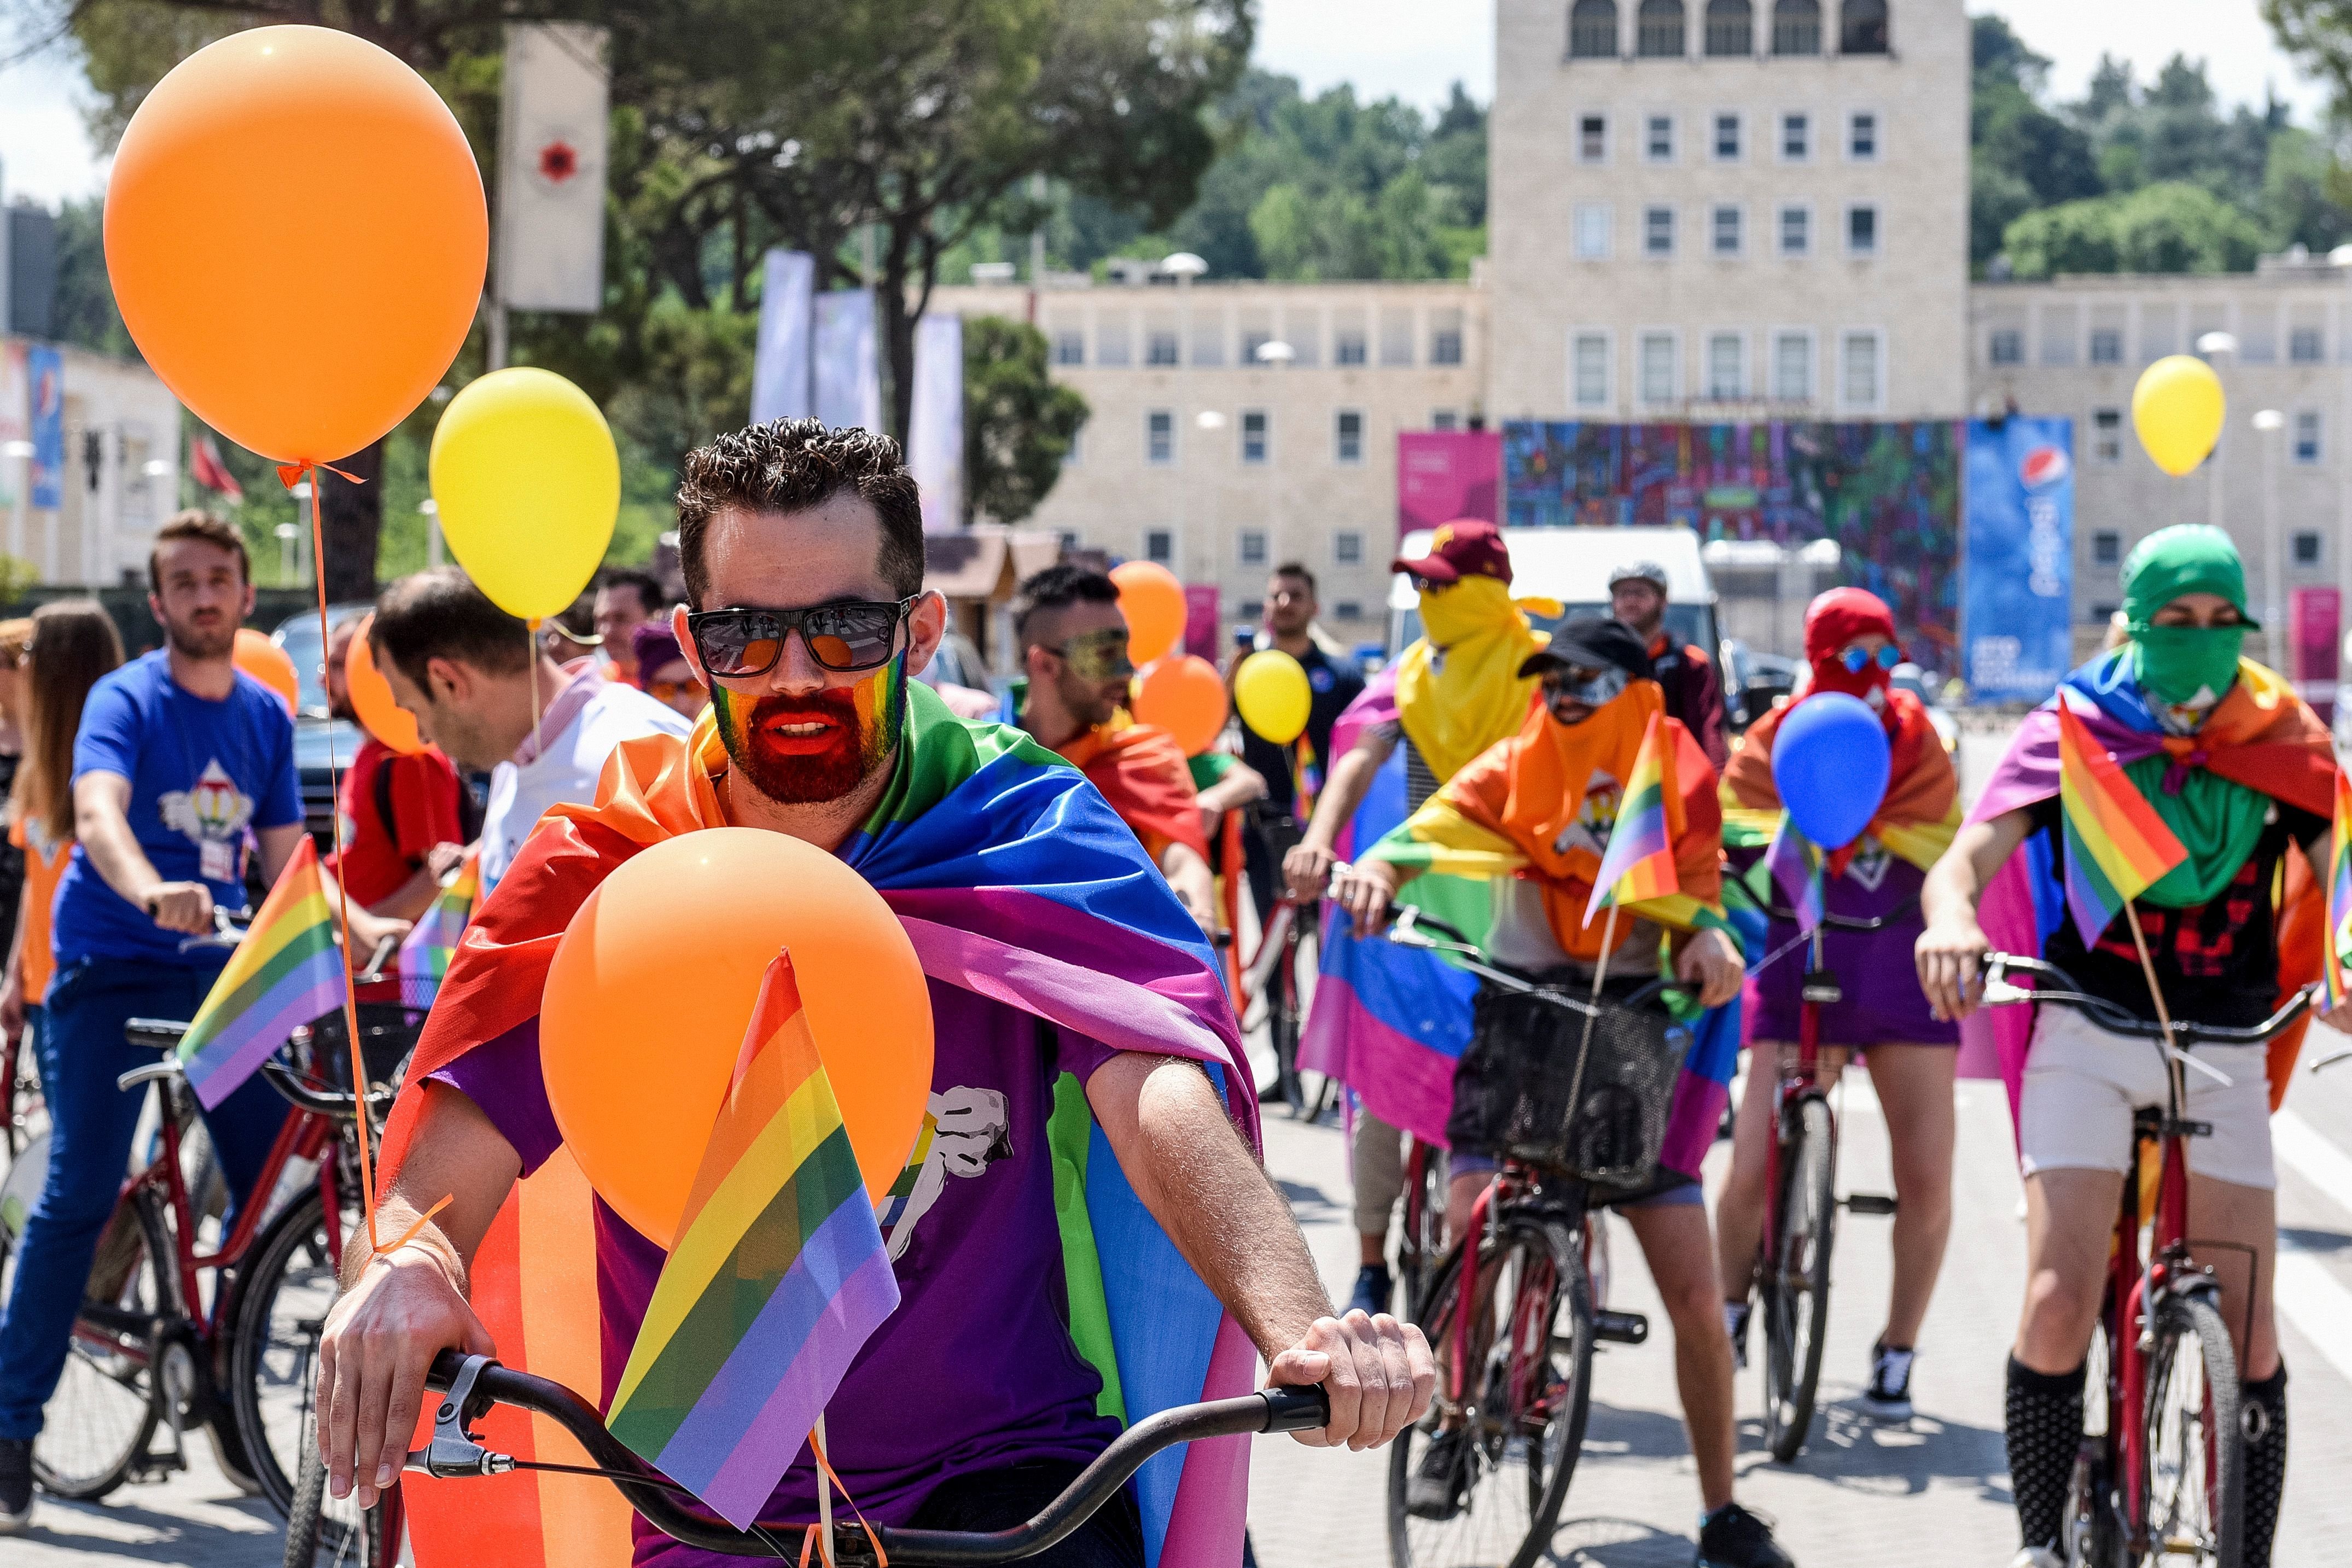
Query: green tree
{"type": "Point", "coordinates": [2172, 227]}
{"type": "Point", "coordinates": [1018, 425]}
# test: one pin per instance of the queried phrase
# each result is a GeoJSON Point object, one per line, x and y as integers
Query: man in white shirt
{"type": "Point", "coordinates": [483, 692]}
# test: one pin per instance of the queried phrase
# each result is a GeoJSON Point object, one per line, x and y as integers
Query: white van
{"type": "Point", "coordinates": [1573, 566]}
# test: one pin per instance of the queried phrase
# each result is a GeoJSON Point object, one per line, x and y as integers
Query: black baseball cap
{"type": "Point", "coordinates": [1592, 642]}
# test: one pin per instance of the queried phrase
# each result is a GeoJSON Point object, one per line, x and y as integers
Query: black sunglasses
{"type": "Point", "coordinates": [856, 634]}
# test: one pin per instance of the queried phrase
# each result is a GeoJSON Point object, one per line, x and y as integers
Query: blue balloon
{"type": "Point", "coordinates": [1830, 763]}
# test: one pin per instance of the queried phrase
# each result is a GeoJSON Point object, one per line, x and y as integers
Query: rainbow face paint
{"type": "Point", "coordinates": [802, 750]}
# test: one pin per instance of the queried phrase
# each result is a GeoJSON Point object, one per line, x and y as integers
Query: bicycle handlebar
{"type": "Point", "coordinates": [1895, 915]}
{"type": "Point", "coordinates": [2067, 992]}
{"type": "Point", "coordinates": [476, 1383]}
{"type": "Point", "coordinates": [1411, 927]}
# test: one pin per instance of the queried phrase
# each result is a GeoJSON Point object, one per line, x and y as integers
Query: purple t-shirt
{"type": "Point", "coordinates": [976, 1369]}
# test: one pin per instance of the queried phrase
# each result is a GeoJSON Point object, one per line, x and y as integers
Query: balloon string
{"type": "Point", "coordinates": [530, 631]}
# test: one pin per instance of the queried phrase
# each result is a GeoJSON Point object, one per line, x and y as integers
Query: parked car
{"type": "Point", "coordinates": [1573, 566]}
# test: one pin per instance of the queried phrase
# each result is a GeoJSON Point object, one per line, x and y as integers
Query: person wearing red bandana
{"type": "Point", "coordinates": [1851, 647]}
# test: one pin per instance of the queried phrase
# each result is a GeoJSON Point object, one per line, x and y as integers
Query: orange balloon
{"type": "Point", "coordinates": [372, 698]}
{"type": "Point", "coordinates": [1153, 602]}
{"type": "Point", "coordinates": [653, 986]}
{"type": "Point", "coordinates": [297, 237]}
{"type": "Point", "coordinates": [267, 663]}
{"type": "Point", "coordinates": [1184, 697]}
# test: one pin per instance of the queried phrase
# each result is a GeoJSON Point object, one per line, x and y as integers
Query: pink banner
{"type": "Point", "coordinates": [2316, 617]}
{"type": "Point", "coordinates": [1447, 474]}
{"type": "Point", "coordinates": [1201, 621]}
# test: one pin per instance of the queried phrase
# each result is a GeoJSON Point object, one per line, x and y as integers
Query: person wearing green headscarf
{"type": "Point", "coordinates": [2243, 774]}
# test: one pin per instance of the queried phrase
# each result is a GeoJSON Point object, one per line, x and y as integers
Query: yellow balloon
{"type": "Point", "coordinates": [2177, 410]}
{"type": "Point", "coordinates": [529, 485]}
{"type": "Point", "coordinates": [1271, 690]}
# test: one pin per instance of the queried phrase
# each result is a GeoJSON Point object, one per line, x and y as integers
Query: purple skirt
{"type": "Point", "coordinates": [1874, 968]}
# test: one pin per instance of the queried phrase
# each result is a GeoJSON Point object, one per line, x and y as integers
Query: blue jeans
{"type": "Point", "coordinates": [81, 1051]}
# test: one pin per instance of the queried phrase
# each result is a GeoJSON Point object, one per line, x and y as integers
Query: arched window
{"type": "Point", "coordinates": [1863, 27]}
{"type": "Point", "coordinates": [1658, 30]}
{"type": "Point", "coordinates": [1592, 30]}
{"type": "Point", "coordinates": [1796, 26]}
{"type": "Point", "coordinates": [1730, 28]}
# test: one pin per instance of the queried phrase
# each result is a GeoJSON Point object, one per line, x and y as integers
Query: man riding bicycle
{"type": "Point", "coordinates": [1542, 807]}
{"type": "Point", "coordinates": [2242, 774]}
{"type": "Point", "coordinates": [973, 1402]}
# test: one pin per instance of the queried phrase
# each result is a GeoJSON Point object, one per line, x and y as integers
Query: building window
{"type": "Point", "coordinates": [1795, 231]}
{"type": "Point", "coordinates": [2305, 347]}
{"type": "Point", "coordinates": [2107, 434]}
{"type": "Point", "coordinates": [2106, 346]}
{"type": "Point", "coordinates": [1162, 349]}
{"type": "Point", "coordinates": [1658, 138]}
{"type": "Point", "coordinates": [1348, 547]}
{"type": "Point", "coordinates": [1730, 29]}
{"type": "Point", "coordinates": [1347, 346]}
{"type": "Point", "coordinates": [1726, 138]}
{"type": "Point", "coordinates": [1069, 347]}
{"type": "Point", "coordinates": [1253, 339]}
{"type": "Point", "coordinates": [1348, 437]}
{"type": "Point", "coordinates": [1250, 609]}
{"type": "Point", "coordinates": [1863, 27]}
{"type": "Point", "coordinates": [1724, 231]}
{"type": "Point", "coordinates": [1592, 139]}
{"type": "Point", "coordinates": [1592, 30]}
{"type": "Point", "coordinates": [1073, 455]}
{"type": "Point", "coordinates": [1592, 370]}
{"type": "Point", "coordinates": [1726, 367]}
{"type": "Point", "coordinates": [1862, 136]}
{"type": "Point", "coordinates": [2306, 548]}
{"type": "Point", "coordinates": [1253, 541]}
{"type": "Point", "coordinates": [2007, 346]}
{"type": "Point", "coordinates": [1657, 368]}
{"type": "Point", "coordinates": [1592, 231]}
{"type": "Point", "coordinates": [1861, 231]}
{"type": "Point", "coordinates": [1858, 371]}
{"type": "Point", "coordinates": [1792, 367]}
{"type": "Point", "coordinates": [2106, 547]}
{"type": "Point", "coordinates": [1658, 30]}
{"type": "Point", "coordinates": [1445, 419]}
{"type": "Point", "coordinates": [1159, 436]}
{"type": "Point", "coordinates": [1445, 340]}
{"type": "Point", "coordinates": [1253, 436]}
{"type": "Point", "coordinates": [1796, 26]}
{"type": "Point", "coordinates": [2306, 436]}
{"type": "Point", "coordinates": [2102, 614]}
{"type": "Point", "coordinates": [1658, 231]}
{"type": "Point", "coordinates": [1351, 610]}
{"type": "Point", "coordinates": [1159, 545]}
{"type": "Point", "coordinates": [1796, 137]}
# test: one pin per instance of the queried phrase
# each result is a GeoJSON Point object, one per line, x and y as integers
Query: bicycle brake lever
{"type": "Point", "coordinates": [453, 1450]}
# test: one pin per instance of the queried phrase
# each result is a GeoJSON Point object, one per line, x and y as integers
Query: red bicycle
{"type": "Point", "coordinates": [2161, 1479]}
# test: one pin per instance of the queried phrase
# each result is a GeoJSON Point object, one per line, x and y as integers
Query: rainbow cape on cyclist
{"type": "Point", "coordinates": [1019, 887]}
{"type": "Point", "coordinates": [2261, 736]}
{"type": "Point", "coordinates": [1915, 823]}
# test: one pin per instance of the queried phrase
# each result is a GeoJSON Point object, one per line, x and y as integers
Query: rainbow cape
{"type": "Point", "coordinates": [2116, 846]}
{"type": "Point", "coordinates": [425, 951]}
{"type": "Point", "coordinates": [1014, 882]}
{"type": "Point", "coordinates": [1639, 863]}
{"type": "Point", "coordinates": [777, 1280]}
{"type": "Point", "coordinates": [287, 971]}
{"type": "Point", "coordinates": [2339, 898]}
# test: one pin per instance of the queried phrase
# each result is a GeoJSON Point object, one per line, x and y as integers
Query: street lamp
{"type": "Point", "coordinates": [287, 534]}
{"type": "Point", "coordinates": [1276, 352]}
{"type": "Point", "coordinates": [2217, 346]}
{"type": "Point", "coordinates": [21, 454]}
{"type": "Point", "coordinates": [2271, 421]}
{"type": "Point", "coordinates": [431, 509]}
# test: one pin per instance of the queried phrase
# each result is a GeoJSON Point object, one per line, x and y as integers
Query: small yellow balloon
{"type": "Point", "coordinates": [1271, 690]}
{"type": "Point", "coordinates": [2177, 408]}
{"type": "Point", "coordinates": [529, 485]}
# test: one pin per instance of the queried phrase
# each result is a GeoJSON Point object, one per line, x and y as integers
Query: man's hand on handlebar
{"type": "Point", "coordinates": [1378, 1373]}
{"type": "Point", "coordinates": [1307, 868]}
{"type": "Point", "coordinates": [380, 1340]}
{"type": "Point", "coordinates": [185, 907]}
{"type": "Point", "coordinates": [1710, 962]}
{"type": "Point", "coordinates": [1365, 892]}
{"type": "Point", "coordinates": [1951, 954]}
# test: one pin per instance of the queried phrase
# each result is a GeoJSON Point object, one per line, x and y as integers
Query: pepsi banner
{"type": "Point", "coordinates": [2017, 604]}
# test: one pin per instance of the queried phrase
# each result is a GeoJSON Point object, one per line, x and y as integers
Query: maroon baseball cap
{"type": "Point", "coordinates": [1464, 548]}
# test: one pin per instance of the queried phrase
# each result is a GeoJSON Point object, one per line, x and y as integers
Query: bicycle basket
{"type": "Point", "coordinates": [1598, 1111]}
{"type": "Point", "coordinates": [387, 1034]}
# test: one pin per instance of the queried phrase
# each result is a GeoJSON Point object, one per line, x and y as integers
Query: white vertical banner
{"type": "Point", "coordinates": [935, 426]}
{"type": "Point", "coordinates": [551, 125]}
{"type": "Point", "coordinates": [848, 375]}
{"type": "Point", "coordinates": [779, 366]}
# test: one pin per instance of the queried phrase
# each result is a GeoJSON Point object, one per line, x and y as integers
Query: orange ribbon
{"type": "Point", "coordinates": [808, 1538]}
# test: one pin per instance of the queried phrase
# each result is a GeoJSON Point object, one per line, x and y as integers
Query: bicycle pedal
{"type": "Point", "coordinates": [151, 1468]}
{"type": "Point", "coordinates": [1868, 1203]}
{"type": "Point", "coordinates": [1621, 1328]}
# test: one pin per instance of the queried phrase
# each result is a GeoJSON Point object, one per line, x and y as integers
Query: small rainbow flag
{"type": "Point", "coordinates": [1798, 866]}
{"type": "Point", "coordinates": [1640, 862]}
{"type": "Point", "coordinates": [425, 951]}
{"type": "Point", "coordinates": [2340, 896]}
{"type": "Point", "coordinates": [777, 1277]}
{"type": "Point", "coordinates": [286, 972]}
{"type": "Point", "coordinates": [2116, 846]}
{"type": "Point", "coordinates": [1306, 778]}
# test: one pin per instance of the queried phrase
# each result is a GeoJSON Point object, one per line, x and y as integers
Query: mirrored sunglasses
{"type": "Point", "coordinates": [1857, 660]}
{"type": "Point", "coordinates": [1592, 689]}
{"type": "Point", "coordinates": [856, 634]}
{"type": "Point", "coordinates": [1095, 656]}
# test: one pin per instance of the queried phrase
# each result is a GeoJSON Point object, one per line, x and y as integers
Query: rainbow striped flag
{"type": "Point", "coordinates": [287, 972]}
{"type": "Point", "coordinates": [1798, 866]}
{"type": "Point", "coordinates": [1638, 865]}
{"type": "Point", "coordinates": [777, 1279]}
{"type": "Point", "coordinates": [2116, 846]}
{"type": "Point", "coordinates": [2339, 896]}
{"type": "Point", "coordinates": [1306, 778]}
{"type": "Point", "coordinates": [425, 951]}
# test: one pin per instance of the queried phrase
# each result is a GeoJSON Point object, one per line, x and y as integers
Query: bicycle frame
{"type": "Point", "coordinates": [1792, 1085]}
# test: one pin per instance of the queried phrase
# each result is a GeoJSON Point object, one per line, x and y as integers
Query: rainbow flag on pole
{"type": "Point", "coordinates": [286, 972]}
{"type": "Point", "coordinates": [425, 951]}
{"type": "Point", "coordinates": [2339, 896]}
{"type": "Point", "coordinates": [1638, 865]}
{"type": "Point", "coordinates": [1798, 866]}
{"type": "Point", "coordinates": [2116, 846]}
{"type": "Point", "coordinates": [777, 1277]}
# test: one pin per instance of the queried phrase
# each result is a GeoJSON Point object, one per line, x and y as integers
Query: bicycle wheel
{"type": "Point", "coordinates": [1506, 1449]}
{"type": "Point", "coordinates": [2192, 1482]}
{"type": "Point", "coordinates": [282, 1303]}
{"type": "Point", "coordinates": [1795, 1283]}
{"type": "Point", "coordinates": [312, 1535]}
{"type": "Point", "coordinates": [2092, 1536]}
{"type": "Point", "coordinates": [1283, 1020]}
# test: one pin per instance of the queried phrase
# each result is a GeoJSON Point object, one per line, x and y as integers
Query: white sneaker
{"type": "Point", "coordinates": [1888, 1398]}
{"type": "Point", "coordinates": [2035, 1557]}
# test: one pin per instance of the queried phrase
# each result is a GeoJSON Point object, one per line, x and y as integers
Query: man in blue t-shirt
{"type": "Point", "coordinates": [181, 766]}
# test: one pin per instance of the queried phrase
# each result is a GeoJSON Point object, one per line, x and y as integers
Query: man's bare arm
{"type": "Point", "coordinates": [1309, 864]}
{"type": "Point", "coordinates": [1198, 1178]}
{"type": "Point", "coordinates": [103, 824]}
{"type": "Point", "coordinates": [1194, 883]}
{"type": "Point", "coordinates": [1950, 947]}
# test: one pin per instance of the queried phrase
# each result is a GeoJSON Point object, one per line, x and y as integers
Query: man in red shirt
{"type": "Point", "coordinates": [404, 815]}
{"type": "Point", "coordinates": [1637, 596]}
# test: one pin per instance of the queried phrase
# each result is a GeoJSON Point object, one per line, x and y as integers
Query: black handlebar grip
{"type": "Point", "coordinates": [1295, 1409]}
{"type": "Point", "coordinates": [444, 1371]}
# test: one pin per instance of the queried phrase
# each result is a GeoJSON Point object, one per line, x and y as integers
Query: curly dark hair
{"type": "Point", "coordinates": [791, 465]}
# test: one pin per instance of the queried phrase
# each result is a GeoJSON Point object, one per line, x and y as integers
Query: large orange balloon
{"type": "Point", "coordinates": [1153, 602]}
{"type": "Point", "coordinates": [267, 663]}
{"type": "Point", "coordinates": [1183, 696]}
{"type": "Point", "coordinates": [297, 237]}
{"type": "Point", "coordinates": [372, 698]}
{"type": "Point", "coordinates": [652, 989]}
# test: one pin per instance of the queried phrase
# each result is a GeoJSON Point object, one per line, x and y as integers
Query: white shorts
{"type": "Point", "coordinates": [2081, 1085]}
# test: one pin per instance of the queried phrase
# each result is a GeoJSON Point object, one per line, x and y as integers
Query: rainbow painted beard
{"type": "Point", "coordinates": [860, 724]}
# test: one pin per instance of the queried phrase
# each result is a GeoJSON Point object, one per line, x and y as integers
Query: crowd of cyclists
{"type": "Point", "coordinates": [793, 690]}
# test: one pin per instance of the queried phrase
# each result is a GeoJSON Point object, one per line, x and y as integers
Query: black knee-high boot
{"type": "Point", "coordinates": [2265, 1462]}
{"type": "Point", "coordinates": [2045, 1434]}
